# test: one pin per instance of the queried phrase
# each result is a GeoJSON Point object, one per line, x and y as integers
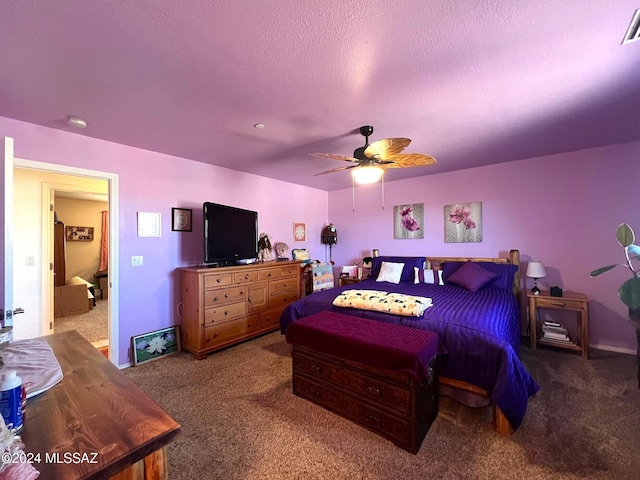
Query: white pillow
{"type": "Point", "coordinates": [429, 276]}
{"type": "Point", "coordinates": [390, 272]}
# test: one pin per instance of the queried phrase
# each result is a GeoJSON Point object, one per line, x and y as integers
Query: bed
{"type": "Point", "coordinates": [478, 326]}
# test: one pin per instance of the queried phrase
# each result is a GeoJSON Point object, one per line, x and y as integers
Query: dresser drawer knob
{"type": "Point", "coordinates": [218, 280]}
{"type": "Point", "coordinates": [374, 419]}
{"type": "Point", "coordinates": [373, 390]}
{"type": "Point", "coordinates": [315, 367]}
{"type": "Point", "coordinates": [226, 312]}
{"type": "Point", "coordinates": [226, 295]}
{"type": "Point", "coordinates": [315, 392]}
{"type": "Point", "coordinates": [246, 277]}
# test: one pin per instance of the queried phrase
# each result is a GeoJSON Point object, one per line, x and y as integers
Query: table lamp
{"type": "Point", "coordinates": [536, 270]}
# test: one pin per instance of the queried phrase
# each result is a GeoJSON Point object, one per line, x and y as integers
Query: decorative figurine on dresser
{"type": "Point", "coordinates": [282, 251]}
{"type": "Point", "coordinates": [264, 248]}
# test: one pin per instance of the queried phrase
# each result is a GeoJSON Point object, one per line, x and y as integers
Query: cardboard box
{"type": "Point", "coordinates": [70, 300]}
{"type": "Point", "coordinates": [104, 287]}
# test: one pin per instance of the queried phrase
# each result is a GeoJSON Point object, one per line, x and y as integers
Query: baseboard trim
{"type": "Point", "coordinates": [609, 348]}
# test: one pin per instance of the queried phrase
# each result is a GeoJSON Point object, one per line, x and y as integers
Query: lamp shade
{"type": "Point", "coordinates": [536, 270]}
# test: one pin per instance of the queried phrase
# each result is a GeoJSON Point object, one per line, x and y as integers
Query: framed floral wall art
{"type": "Point", "coordinates": [408, 221]}
{"type": "Point", "coordinates": [463, 222]}
{"type": "Point", "coordinates": [155, 345]}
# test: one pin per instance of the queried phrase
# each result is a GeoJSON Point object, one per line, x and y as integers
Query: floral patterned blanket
{"type": "Point", "coordinates": [395, 303]}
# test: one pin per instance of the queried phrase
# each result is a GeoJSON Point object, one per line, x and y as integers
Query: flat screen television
{"type": "Point", "coordinates": [230, 235]}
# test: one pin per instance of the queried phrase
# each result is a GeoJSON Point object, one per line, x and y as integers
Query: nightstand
{"type": "Point", "coordinates": [569, 301]}
{"type": "Point", "coordinates": [349, 280]}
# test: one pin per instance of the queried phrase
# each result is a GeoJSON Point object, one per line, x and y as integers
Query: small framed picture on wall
{"type": "Point", "coordinates": [299, 232]}
{"type": "Point", "coordinates": [181, 219]}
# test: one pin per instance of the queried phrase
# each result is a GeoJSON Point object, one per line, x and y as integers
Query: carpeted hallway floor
{"type": "Point", "coordinates": [240, 421]}
{"type": "Point", "coordinates": [94, 325]}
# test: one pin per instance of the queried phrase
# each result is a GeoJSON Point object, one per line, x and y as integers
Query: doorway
{"type": "Point", "coordinates": [80, 233]}
{"type": "Point", "coordinates": [53, 178]}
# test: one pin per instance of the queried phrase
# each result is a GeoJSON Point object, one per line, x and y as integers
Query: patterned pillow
{"type": "Point", "coordinates": [390, 272]}
{"type": "Point", "coordinates": [301, 255]}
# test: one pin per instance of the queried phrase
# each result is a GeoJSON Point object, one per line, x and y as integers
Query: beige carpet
{"type": "Point", "coordinates": [240, 421]}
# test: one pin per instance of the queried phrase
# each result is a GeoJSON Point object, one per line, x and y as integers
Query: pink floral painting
{"type": "Point", "coordinates": [463, 222]}
{"type": "Point", "coordinates": [408, 221]}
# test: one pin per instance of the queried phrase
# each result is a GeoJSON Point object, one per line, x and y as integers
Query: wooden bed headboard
{"type": "Point", "coordinates": [514, 259]}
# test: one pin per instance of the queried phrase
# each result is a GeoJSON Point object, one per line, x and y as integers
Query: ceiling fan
{"type": "Point", "coordinates": [372, 160]}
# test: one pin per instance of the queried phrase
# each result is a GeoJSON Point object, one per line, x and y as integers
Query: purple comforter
{"type": "Point", "coordinates": [480, 332]}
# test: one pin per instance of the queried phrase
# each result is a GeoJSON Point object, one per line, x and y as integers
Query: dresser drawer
{"type": "Point", "coordinates": [223, 313]}
{"type": "Point", "coordinates": [559, 302]}
{"type": "Point", "coordinates": [224, 295]}
{"type": "Point", "coordinates": [290, 271]}
{"type": "Point", "coordinates": [395, 428]}
{"type": "Point", "coordinates": [232, 330]}
{"type": "Point", "coordinates": [245, 277]}
{"type": "Point", "coordinates": [283, 299]}
{"type": "Point", "coordinates": [367, 387]}
{"type": "Point", "coordinates": [280, 272]}
{"type": "Point", "coordinates": [269, 273]}
{"type": "Point", "coordinates": [218, 280]}
{"type": "Point", "coordinates": [271, 318]}
{"type": "Point", "coordinates": [282, 286]}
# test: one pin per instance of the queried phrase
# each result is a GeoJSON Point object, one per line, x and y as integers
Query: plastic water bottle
{"type": "Point", "coordinates": [11, 400]}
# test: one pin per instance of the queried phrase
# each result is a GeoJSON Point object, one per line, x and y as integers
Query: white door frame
{"type": "Point", "coordinates": [6, 239]}
{"type": "Point", "coordinates": [47, 277]}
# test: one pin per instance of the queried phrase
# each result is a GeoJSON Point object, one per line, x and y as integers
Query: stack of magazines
{"type": "Point", "coordinates": [554, 332]}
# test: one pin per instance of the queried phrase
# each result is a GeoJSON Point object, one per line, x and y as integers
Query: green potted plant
{"type": "Point", "coordinates": [629, 291]}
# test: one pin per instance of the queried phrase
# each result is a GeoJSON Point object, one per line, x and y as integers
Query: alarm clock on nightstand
{"type": "Point", "coordinates": [555, 291]}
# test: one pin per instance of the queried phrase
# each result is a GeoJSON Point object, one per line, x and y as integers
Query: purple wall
{"type": "Point", "coordinates": [562, 210]}
{"type": "Point", "coordinates": [153, 182]}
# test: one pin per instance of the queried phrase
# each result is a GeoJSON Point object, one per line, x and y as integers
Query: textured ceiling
{"type": "Point", "coordinates": [471, 82]}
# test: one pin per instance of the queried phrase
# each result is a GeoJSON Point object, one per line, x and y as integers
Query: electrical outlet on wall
{"type": "Point", "coordinates": [136, 261]}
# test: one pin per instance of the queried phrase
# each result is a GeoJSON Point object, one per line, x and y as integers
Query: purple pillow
{"type": "Point", "coordinates": [505, 272]}
{"type": "Point", "coordinates": [471, 276]}
{"type": "Point", "coordinates": [407, 271]}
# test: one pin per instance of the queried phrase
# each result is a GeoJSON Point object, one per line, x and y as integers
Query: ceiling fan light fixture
{"type": "Point", "coordinates": [365, 175]}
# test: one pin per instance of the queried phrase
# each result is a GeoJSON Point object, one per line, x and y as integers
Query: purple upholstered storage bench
{"type": "Point", "coordinates": [378, 375]}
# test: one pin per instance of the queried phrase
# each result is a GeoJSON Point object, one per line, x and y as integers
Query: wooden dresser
{"type": "Point", "coordinates": [226, 305]}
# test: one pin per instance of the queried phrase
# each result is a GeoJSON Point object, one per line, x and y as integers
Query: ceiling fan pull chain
{"type": "Point", "coordinates": [382, 183]}
{"type": "Point", "coordinates": [353, 193]}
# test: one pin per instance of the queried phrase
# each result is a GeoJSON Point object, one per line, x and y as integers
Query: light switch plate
{"type": "Point", "coordinates": [136, 261]}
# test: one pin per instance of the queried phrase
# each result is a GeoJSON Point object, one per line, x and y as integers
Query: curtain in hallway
{"type": "Point", "coordinates": [104, 243]}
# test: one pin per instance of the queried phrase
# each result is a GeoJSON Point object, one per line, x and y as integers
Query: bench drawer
{"type": "Point", "coordinates": [373, 388]}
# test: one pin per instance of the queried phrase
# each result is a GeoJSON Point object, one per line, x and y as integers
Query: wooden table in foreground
{"type": "Point", "coordinates": [95, 423]}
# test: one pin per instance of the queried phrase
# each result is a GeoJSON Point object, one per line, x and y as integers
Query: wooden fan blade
{"type": "Point", "coordinates": [386, 148]}
{"type": "Point", "coordinates": [339, 169]}
{"type": "Point", "coordinates": [334, 157]}
{"type": "Point", "coordinates": [408, 160]}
